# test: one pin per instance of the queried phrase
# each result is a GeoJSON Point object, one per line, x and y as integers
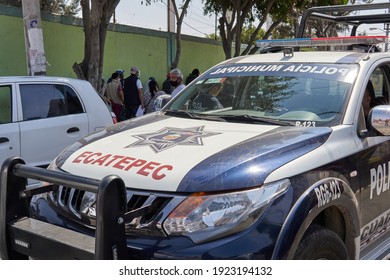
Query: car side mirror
{"type": "Point", "coordinates": [161, 101]}
{"type": "Point", "coordinates": [379, 119]}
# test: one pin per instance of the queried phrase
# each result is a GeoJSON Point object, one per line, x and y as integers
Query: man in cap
{"type": "Point", "coordinates": [132, 93]}
{"type": "Point", "coordinates": [176, 80]}
{"type": "Point", "coordinates": [121, 74]}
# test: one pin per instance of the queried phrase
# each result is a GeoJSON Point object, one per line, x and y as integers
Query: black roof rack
{"type": "Point", "coordinates": [327, 13]}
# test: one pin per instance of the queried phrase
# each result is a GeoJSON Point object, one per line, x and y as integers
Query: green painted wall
{"type": "Point", "coordinates": [12, 49]}
{"type": "Point", "coordinates": [63, 46]}
{"type": "Point", "coordinates": [125, 46]}
{"type": "Point", "coordinates": [200, 55]}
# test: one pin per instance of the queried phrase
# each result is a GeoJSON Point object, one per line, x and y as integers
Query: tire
{"type": "Point", "coordinates": [320, 243]}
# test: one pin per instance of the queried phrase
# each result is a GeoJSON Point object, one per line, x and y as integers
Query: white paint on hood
{"type": "Point", "coordinates": [158, 155]}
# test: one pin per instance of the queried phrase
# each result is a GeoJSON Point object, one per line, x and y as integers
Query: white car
{"type": "Point", "coordinates": [40, 116]}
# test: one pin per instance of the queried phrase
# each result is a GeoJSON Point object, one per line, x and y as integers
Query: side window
{"type": "Point", "coordinates": [73, 101]}
{"type": "Point", "coordinates": [5, 104]}
{"type": "Point", "coordinates": [41, 101]}
{"type": "Point", "coordinates": [375, 93]}
{"type": "Point", "coordinates": [379, 82]}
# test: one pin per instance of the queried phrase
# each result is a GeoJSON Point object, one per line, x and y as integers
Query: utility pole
{"type": "Point", "coordinates": [171, 31]}
{"type": "Point", "coordinates": [35, 54]}
{"type": "Point", "coordinates": [387, 37]}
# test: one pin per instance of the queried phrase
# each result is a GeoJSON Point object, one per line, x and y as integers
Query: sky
{"type": "Point", "coordinates": [132, 12]}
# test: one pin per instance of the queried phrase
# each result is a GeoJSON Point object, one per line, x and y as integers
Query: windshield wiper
{"type": "Point", "coordinates": [187, 114]}
{"type": "Point", "coordinates": [252, 119]}
{"type": "Point", "coordinates": [230, 118]}
{"type": "Point", "coordinates": [328, 112]}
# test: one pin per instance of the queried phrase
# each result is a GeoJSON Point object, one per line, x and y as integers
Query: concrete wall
{"type": "Point", "coordinates": [125, 46]}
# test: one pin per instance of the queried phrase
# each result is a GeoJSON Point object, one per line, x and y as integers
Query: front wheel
{"type": "Point", "coordinates": [320, 243]}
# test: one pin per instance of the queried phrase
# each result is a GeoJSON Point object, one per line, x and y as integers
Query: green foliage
{"type": "Point", "coordinates": [72, 8]}
{"type": "Point", "coordinates": [13, 3]}
{"type": "Point", "coordinates": [213, 36]}
{"type": "Point", "coordinates": [62, 7]}
{"type": "Point", "coordinates": [247, 32]}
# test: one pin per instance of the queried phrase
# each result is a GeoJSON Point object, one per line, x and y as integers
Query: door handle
{"type": "Point", "coordinates": [3, 139]}
{"type": "Point", "coordinates": [73, 129]}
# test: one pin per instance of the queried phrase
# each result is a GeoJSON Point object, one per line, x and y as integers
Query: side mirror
{"type": "Point", "coordinates": [161, 101]}
{"type": "Point", "coordinates": [379, 119]}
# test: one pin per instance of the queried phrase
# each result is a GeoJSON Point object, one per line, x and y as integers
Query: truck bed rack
{"type": "Point", "coordinates": [336, 14]}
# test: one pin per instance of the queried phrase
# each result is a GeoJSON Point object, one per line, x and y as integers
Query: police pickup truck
{"type": "Point", "coordinates": [270, 156]}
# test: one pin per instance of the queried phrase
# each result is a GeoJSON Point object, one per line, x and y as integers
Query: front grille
{"type": "Point", "coordinates": [80, 206]}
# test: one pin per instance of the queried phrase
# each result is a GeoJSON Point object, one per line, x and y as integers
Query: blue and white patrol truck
{"type": "Point", "coordinates": [268, 156]}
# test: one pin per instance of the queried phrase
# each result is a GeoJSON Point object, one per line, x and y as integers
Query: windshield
{"type": "Point", "coordinates": [293, 94]}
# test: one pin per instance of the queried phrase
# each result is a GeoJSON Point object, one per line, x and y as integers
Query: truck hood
{"type": "Point", "coordinates": [160, 153]}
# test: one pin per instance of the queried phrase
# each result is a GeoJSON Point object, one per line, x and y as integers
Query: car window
{"type": "Point", "coordinates": [45, 101]}
{"type": "Point", "coordinates": [5, 104]}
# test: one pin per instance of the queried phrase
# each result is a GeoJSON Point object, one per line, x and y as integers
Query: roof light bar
{"type": "Point", "coordinates": [328, 41]}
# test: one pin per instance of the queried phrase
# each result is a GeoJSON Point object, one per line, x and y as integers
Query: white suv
{"type": "Point", "coordinates": [40, 116]}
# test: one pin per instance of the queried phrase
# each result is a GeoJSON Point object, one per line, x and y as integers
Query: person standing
{"type": "Point", "coordinates": [166, 86]}
{"type": "Point", "coordinates": [115, 95]}
{"type": "Point", "coordinates": [194, 74]}
{"type": "Point", "coordinates": [176, 80]}
{"type": "Point", "coordinates": [132, 93]}
{"type": "Point", "coordinates": [121, 74]}
{"type": "Point", "coordinates": [151, 96]}
{"type": "Point", "coordinates": [146, 85]}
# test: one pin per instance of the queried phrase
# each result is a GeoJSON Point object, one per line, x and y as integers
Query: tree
{"type": "Point", "coordinates": [319, 28]}
{"type": "Point", "coordinates": [277, 12]}
{"type": "Point", "coordinates": [234, 14]}
{"type": "Point", "coordinates": [96, 18]}
{"type": "Point", "coordinates": [62, 7]}
{"type": "Point", "coordinates": [213, 36]}
{"type": "Point", "coordinates": [247, 32]}
{"type": "Point", "coordinates": [72, 8]}
{"type": "Point", "coordinates": [179, 22]}
{"type": "Point", "coordinates": [283, 13]}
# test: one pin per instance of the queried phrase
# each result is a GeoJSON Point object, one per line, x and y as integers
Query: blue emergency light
{"type": "Point", "coordinates": [327, 41]}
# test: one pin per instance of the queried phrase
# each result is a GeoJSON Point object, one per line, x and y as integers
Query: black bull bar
{"type": "Point", "coordinates": [22, 237]}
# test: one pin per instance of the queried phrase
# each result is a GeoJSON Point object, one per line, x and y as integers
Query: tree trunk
{"type": "Point", "coordinates": [256, 32]}
{"type": "Point", "coordinates": [226, 34]}
{"type": "Point", "coordinates": [96, 18]}
{"type": "Point", "coordinates": [179, 19]}
{"type": "Point", "coordinates": [176, 60]}
{"type": "Point", "coordinates": [238, 28]}
{"type": "Point", "coordinates": [267, 34]}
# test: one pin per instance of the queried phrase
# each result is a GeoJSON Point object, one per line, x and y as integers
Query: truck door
{"type": "Point", "coordinates": [374, 171]}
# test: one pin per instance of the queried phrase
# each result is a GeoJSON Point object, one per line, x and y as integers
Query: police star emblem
{"type": "Point", "coordinates": [170, 137]}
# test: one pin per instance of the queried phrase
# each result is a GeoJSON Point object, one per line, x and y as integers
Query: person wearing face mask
{"type": "Point", "coordinates": [176, 80]}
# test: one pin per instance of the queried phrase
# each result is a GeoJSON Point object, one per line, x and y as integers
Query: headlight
{"type": "Point", "coordinates": [203, 217]}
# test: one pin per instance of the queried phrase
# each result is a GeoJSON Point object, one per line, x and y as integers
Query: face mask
{"type": "Point", "coordinates": [174, 83]}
